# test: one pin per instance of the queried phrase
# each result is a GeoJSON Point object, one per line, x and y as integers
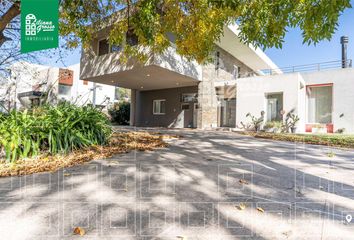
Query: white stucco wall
{"type": "Point", "coordinates": [343, 95]}
{"type": "Point", "coordinates": [251, 96]}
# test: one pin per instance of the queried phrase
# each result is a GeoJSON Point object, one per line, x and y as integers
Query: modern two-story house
{"type": "Point", "coordinates": [169, 91]}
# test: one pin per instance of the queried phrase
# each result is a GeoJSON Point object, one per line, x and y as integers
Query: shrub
{"type": "Point", "coordinates": [55, 129]}
{"type": "Point", "coordinates": [273, 126]}
{"type": "Point", "coordinates": [120, 113]}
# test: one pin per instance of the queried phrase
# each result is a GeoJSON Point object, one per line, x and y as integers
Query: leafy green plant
{"type": "Point", "coordinates": [256, 121]}
{"type": "Point", "coordinates": [290, 122]}
{"type": "Point", "coordinates": [54, 129]}
{"type": "Point", "coordinates": [120, 113]}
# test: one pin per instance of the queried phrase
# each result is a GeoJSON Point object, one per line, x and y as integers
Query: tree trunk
{"type": "Point", "coordinates": [6, 18]}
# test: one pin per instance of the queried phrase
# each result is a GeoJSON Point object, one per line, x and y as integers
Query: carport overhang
{"type": "Point", "coordinates": [146, 78]}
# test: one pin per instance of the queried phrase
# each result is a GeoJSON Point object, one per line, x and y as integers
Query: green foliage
{"type": "Point", "coordinates": [275, 126]}
{"type": "Point", "coordinates": [55, 129]}
{"type": "Point", "coordinates": [120, 113]}
{"type": "Point", "coordinates": [198, 24]}
{"type": "Point", "coordinates": [256, 121]}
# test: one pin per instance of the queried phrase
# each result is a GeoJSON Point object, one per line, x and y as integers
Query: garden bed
{"type": "Point", "coordinates": [119, 143]}
{"type": "Point", "coordinates": [333, 140]}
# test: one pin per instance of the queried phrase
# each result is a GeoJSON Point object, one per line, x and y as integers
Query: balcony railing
{"type": "Point", "coordinates": [302, 68]}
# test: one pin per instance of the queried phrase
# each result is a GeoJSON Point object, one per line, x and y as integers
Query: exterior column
{"type": "Point", "coordinates": [132, 107]}
{"type": "Point", "coordinates": [207, 99]}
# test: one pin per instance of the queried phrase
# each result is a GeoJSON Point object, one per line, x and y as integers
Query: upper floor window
{"type": "Point", "coordinates": [103, 47]}
{"type": "Point", "coordinates": [131, 38]}
{"type": "Point", "coordinates": [236, 72]}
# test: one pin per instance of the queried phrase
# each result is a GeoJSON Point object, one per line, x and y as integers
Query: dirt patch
{"type": "Point", "coordinates": [119, 143]}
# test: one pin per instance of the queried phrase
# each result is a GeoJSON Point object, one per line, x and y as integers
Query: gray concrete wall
{"type": "Point", "coordinates": [174, 116]}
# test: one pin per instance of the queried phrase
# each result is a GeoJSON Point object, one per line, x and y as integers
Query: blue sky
{"type": "Point", "coordinates": [293, 52]}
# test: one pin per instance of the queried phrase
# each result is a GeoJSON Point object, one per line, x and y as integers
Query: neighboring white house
{"type": "Point", "coordinates": [30, 83]}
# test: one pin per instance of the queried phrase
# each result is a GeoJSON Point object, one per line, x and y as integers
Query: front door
{"type": "Point", "coordinates": [227, 111]}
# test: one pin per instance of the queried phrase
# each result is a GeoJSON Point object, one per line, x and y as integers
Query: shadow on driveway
{"type": "Point", "coordinates": [191, 189]}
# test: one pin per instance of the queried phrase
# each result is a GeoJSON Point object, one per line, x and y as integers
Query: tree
{"type": "Point", "coordinates": [196, 24]}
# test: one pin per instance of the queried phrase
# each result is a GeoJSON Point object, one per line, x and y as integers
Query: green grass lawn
{"type": "Point", "coordinates": [334, 140]}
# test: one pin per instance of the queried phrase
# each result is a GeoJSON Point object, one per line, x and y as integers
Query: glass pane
{"type": "Point", "coordinates": [156, 105]}
{"type": "Point", "coordinates": [162, 107]}
{"type": "Point", "coordinates": [274, 107]}
{"type": "Point", "coordinates": [64, 90]}
{"type": "Point", "coordinates": [320, 105]}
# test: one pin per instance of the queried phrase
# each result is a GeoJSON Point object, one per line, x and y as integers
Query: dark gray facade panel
{"type": "Point", "coordinates": [174, 116]}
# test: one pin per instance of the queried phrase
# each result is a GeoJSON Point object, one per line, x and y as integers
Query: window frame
{"type": "Point", "coordinates": [153, 106]}
{"type": "Point", "coordinates": [98, 46]}
{"type": "Point", "coordinates": [307, 101]}
{"type": "Point", "coordinates": [195, 96]}
{"type": "Point", "coordinates": [279, 116]}
{"type": "Point", "coordinates": [109, 47]}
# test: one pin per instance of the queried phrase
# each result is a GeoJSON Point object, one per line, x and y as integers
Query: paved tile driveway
{"type": "Point", "coordinates": [191, 189]}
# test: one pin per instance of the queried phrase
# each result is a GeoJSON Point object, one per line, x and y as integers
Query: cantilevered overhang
{"type": "Point", "coordinates": [146, 78]}
{"type": "Point", "coordinates": [99, 67]}
{"type": "Point", "coordinates": [254, 58]}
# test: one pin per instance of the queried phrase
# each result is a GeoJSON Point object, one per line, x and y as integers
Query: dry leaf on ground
{"type": "Point", "coordinates": [243, 181]}
{"type": "Point", "coordinates": [79, 231]}
{"type": "Point", "coordinates": [181, 238]}
{"type": "Point", "coordinates": [260, 209]}
{"type": "Point", "coordinates": [241, 206]}
{"type": "Point", "coordinates": [119, 143]}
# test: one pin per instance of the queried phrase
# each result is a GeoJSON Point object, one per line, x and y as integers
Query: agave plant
{"type": "Point", "coordinates": [55, 129]}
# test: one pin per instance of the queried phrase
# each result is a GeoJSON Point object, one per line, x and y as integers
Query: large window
{"type": "Point", "coordinates": [319, 104]}
{"type": "Point", "coordinates": [159, 107]}
{"type": "Point", "coordinates": [274, 106]}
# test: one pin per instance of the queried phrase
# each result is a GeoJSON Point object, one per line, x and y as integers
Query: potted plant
{"type": "Point", "coordinates": [291, 121]}
{"type": "Point", "coordinates": [256, 122]}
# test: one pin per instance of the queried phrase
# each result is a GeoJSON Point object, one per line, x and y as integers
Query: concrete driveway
{"type": "Point", "coordinates": [190, 190]}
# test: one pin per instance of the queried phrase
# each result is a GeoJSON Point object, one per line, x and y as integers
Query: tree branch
{"type": "Point", "coordinates": [8, 16]}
